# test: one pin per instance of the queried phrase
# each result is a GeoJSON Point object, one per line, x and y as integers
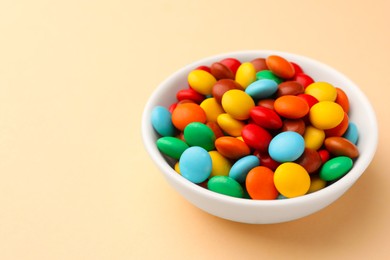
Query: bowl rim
{"type": "Point", "coordinates": [346, 181]}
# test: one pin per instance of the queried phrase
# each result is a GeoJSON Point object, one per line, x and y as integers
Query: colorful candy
{"type": "Point", "coordinates": [260, 129]}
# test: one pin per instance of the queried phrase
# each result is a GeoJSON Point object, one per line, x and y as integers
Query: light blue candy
{"type": "Point", "coordinates": [162, 121]}
{"type": "Point", "coordinates": [286, 146]}
{"type": "Point", "coordinates": [241, 167]}
{"type": "Point", "coordinates": [352, 133]}
{"type": "Point", "coordinates": [195, 164]}
{"type": "Point", "coordinates": [262, 88]}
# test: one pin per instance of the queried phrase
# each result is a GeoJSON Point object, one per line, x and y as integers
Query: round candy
{"type": "Point", "coordinates": [230, 125]}
{"type": "Point", "coordinates": [336, 168]}
{"type": "Point", "coordinates": [290, 106]}
{"type": "Point", "coordinates": [289, 88]}
{"type": "Point", "coordinates": [316, 184]}
{"type": "Point", "coordinates": [195, 164]}
{"type": "Point", "coordinates": [342, 99]}
{"type": "Point", "coordinates": [310, 160]}
{"type": "Point", "coordinates": [201, 81]}
{"type": "Point", "coordinates": [232, 63]}
{"type": "Point", "coordinates": [171, 146]}
{"type": "Point", "coordinates": [352, 133]}
{"type": "Point", "coordinates": [237, 103]}
{"type": "Point", "coordinates": [326, 115]}
{"type": "Point", "coordinates": [231, 147]}
{"type": "Point", "coordinates": [267, 74]}
{"type": "Point", "coordinates": [314, 137]}
{"type": "Point", "coordinates": [216, 129]}
{"type": "Point", "coordinates": [220, 71]}
{"type": "Point", "coordinates": [259, 64]}
{"type": "Point", "coordinates": [189, 94]}
{"type": "Point", "coordinates": [220, 164]}
{"type": "Point", "coordinates": [162, 122]}
{"type": "Point", "coordinates": [265, 117]}
{"type": "Point", "coordinates": [246, 74]}
{"type": "Point", "coordinates": [212, 109]}
{"type": "Point", "coordinates": [322, 91]}
{"type": "Point", "coordinates": [291, 180]}
{"type": "Point", "coordinates": [304, 79]}
{"type": "Point", "coordinates": [310, 100]}
{"type": "Point", "coordinates": [268, 103]}
{"type": "Point", "coordinates": [187, 113]}
{"type": "Point", "coordinates": [340, 129]}
{"type": "Point", "coordinates": [225, 185]}
{"type": "Point", "coordinates": [260, 184]}
{"type": "Point", "coordinates": [340, 146]}
{"type": "Point", "coordinates": [199, 134]}
{"type": "Point", "coordinates": [256, 137]}
{"type": "Point", "coordinates": [296, 125]}
{"type": "Point", "coordinates": [263, 88]}
{"type": "Point", "coordinates": [280, 66]}
{"type": "Point", "coordinates": [222, 86]}
{"type": "Point", "coordinates": [241, 167]}
{"type": "Point", "coordinates": [266, 160]}
{"type": "Point", "coordinates": [286, 146]}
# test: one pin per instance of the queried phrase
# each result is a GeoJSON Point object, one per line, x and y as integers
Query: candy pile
{"type": "Point", "coordinates": [261, 129]}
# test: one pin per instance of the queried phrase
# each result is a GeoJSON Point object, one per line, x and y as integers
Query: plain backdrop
{"type": "Point", "coordinates": [75, 179]}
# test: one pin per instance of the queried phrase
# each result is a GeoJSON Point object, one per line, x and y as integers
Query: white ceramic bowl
{"type": "Point", "coordinates": [265, 211]}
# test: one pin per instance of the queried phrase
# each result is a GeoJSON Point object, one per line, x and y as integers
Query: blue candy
{"type": "Point", "coordinates": [195, 164]}
{"type": "Point", "coordinates": [162, 121]}
{"type": "Point", "coordinates": [286, 146]}
{"type": "Point", "coordinates": [263, 88]}
{"type": "Point", "coordinates": [242, 166]}
{"type": "Point", "coordinates": [352, 133]}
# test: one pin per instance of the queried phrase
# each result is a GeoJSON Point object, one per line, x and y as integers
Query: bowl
{"type": "Point", "coordinates": [265, 211]}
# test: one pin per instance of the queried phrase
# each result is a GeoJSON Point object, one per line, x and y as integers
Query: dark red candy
{"type": "Point", "coordinates": [220, 71]}
{"type": "Point", "coordinates": [295, 125]}
{"type": "Point", "coordinates": [289, 88]}
{"type": "Point", "coordinates": [265, 117]}
{"type": "Point", "coordinates": [256, 137]}
{"type": "Point", "coordinates": [266, 160]}
{"type": "Point", "coordinates": [310, 160]}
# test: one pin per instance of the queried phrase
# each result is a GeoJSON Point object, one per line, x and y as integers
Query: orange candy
{"type": "Point", "coordinates": [260, 184]}
{"type": "Point", "coordinates": [342, 100]}
{"type": "Point", "coordinates": [340, 129]}
{"type": "Point", "coordinates": [231, 147]}
{"type": "Point", "coordinates": [280, 66]}
{"type": "Point", "coordinates": [292, 107]}
{"type": "Point", "coordinates": [187, 113]}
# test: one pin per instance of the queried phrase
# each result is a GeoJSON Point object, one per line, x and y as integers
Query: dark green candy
{"type": "Point", "coordinates": [267, 74]}
{"type": "Point", "coordinates": [225, 185]}
{"type": "Point", "coordinates": [336, 168]}
{"type": "Point", "coordinates": [171, 146]}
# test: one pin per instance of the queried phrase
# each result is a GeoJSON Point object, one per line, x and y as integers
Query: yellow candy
{"type": "Point", "coordinates": [322, 91]}
{"type": "Point", "coordinates": [237, 103]}
{"type": "Point", "coordinates": [246, 74]}
{"type": "Point", "coordinates": [316, 184]}
{"type": "Point", "coordinates": [212, 108]}
{"type": "Point", "coordinates": [177, 167]}
{"type": "Point", "coordinates": [201, 81]}
{"type": "Point", "coordinates": [326, 115]}
{"type": "Point", "coordinates": [220, 164]}
{"type": "Point", "coordinates": [230, 125]}
{"type": "Point", "coordinates": [314, 137]}
{"type": "Point", "coordinates": [291, 180]}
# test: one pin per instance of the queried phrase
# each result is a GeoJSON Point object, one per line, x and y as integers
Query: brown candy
{"type": "Point", "coordinates": [220, 71]}
{"type": "Point", "coordinates": [268, 103]}
{"type": "Point", "coordinates": [223, 85]}
{"type": "Point", "coordinates": [289, 88]}
{"type": "Point", "coordinates": [340, 146]}
{"type": "Point", "coordinates": [310, 160]}
{"type": "Point", "coordinates": [296, 125]}
{"type": "Point", "coordinates": [259, 64]}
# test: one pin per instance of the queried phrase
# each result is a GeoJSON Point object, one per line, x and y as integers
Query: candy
{"type": "Point", "coordinates": [241, 167]}
{"type": "Point", "coordinates": [291, 180]}
{"type": "Point", "coordinates": [199, 134]}
{"type": "Point", "coordinates": [260, 184]}
{"type": "Point", "coordinates": [225, 185]}
{"type": "Point", "coordinates": [326, 115]}
{"type": "Point", "coordinates": [162, 122]}
{"type": "Point", "coordinates": [260, 129]}
{"type": "Point", "coordinates": [195, 164]}
{"type": "Point", "coordinates": [336, 168]}
{"type": "Point", "coordinates": [286, 146]}
{"type": "Point", "coordinates": [237, 103]}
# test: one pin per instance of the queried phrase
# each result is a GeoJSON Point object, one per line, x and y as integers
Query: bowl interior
{"type": "Point", "coordinates": [361, 113]}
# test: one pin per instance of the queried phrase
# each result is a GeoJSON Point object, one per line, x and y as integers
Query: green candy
{"type": "Point", "coordinates": [171, 146]}
{"type": "Point", "coordinates": [267, 74]}
{"type": "Point", "coordinates": [225, 185]}
{"type": "Point", "coordinates": [336, 168]}
{"type": "Point", "coordinates": [199, 134]}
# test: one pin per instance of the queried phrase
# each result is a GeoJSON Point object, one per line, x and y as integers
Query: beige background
{"type": "Point", "coordinates": [75, 180]}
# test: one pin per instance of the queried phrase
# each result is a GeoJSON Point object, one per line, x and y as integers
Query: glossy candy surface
{"type": "Point", "coordinates": [225, 185]}
{"type": "Point", "coordinates": [260, 184]}
{"type": "Point", "coordinates": [195, 164]}
{"type": "Point", "coordinates": [286, 147]}
{"type": "Point", "coordinates": [237, 103]}
{"type": "Point", "coordinates": [162, 121]}
{"type": "Point", "coordinates": [241, 167]}
{"type": "Point", "coordinates": [291, 180]}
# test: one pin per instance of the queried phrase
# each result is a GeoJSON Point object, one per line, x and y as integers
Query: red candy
{"type": "Point", "coordinates": [265, 117]}
{"type": "Point", "coordinates": [256, 137]}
